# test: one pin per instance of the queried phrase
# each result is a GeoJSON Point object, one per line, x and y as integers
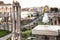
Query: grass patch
{"type": "Point", "coordinates": [4, 33]}
{"type": "Point", "coordinates": [26, 33]}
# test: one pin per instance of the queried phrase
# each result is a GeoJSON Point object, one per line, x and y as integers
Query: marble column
{"type": "Point", "coordinates": [16, 33]}
{"type": "Point", "coordinates": [13, 22]}
{"type": "Point", "coordinates": [53, 20]}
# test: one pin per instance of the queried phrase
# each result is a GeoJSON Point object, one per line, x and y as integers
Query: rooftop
{"type": "Point", "coordinates": [2, 3]}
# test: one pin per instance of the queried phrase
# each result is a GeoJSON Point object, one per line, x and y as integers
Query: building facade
{"type": "Point", "coordinates": [55, 18]}
{"type": "Point", "coordinates": [5, 15]}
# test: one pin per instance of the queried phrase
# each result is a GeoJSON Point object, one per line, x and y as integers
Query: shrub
{"type": "Point", "coordinates": [26, 33]}
{"type": "Point", "coordinates": [4, 32]}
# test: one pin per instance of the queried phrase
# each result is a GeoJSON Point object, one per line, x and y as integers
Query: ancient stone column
{"type": "Point", "coordinates": [53, 20]}
{"type": "Point", "coordinates": [16, 33]}
{"type": "Point", "coordinates": [13, 20]}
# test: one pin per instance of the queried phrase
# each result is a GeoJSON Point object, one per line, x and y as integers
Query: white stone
{"type": "Point", "coordinates": [46, 30]}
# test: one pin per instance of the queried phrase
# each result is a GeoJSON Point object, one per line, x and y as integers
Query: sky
{"type": "Point", "coordinates": [36, 3]}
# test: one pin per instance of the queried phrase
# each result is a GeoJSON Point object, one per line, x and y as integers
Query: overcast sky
{"type": "Point", "coordinates": [36, 3]}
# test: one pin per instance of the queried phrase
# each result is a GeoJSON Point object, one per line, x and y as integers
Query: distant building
{"type": "Point", "coordinates": [5, 7]}
{"type": "Point", "coordinates": [25, 9]}
{"type": "Point", "coordinates": [55, 16]}
{"type": "Point", "coordinates": [5, 10]}
{"type": "Point", "coordinates": [27, 15]}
